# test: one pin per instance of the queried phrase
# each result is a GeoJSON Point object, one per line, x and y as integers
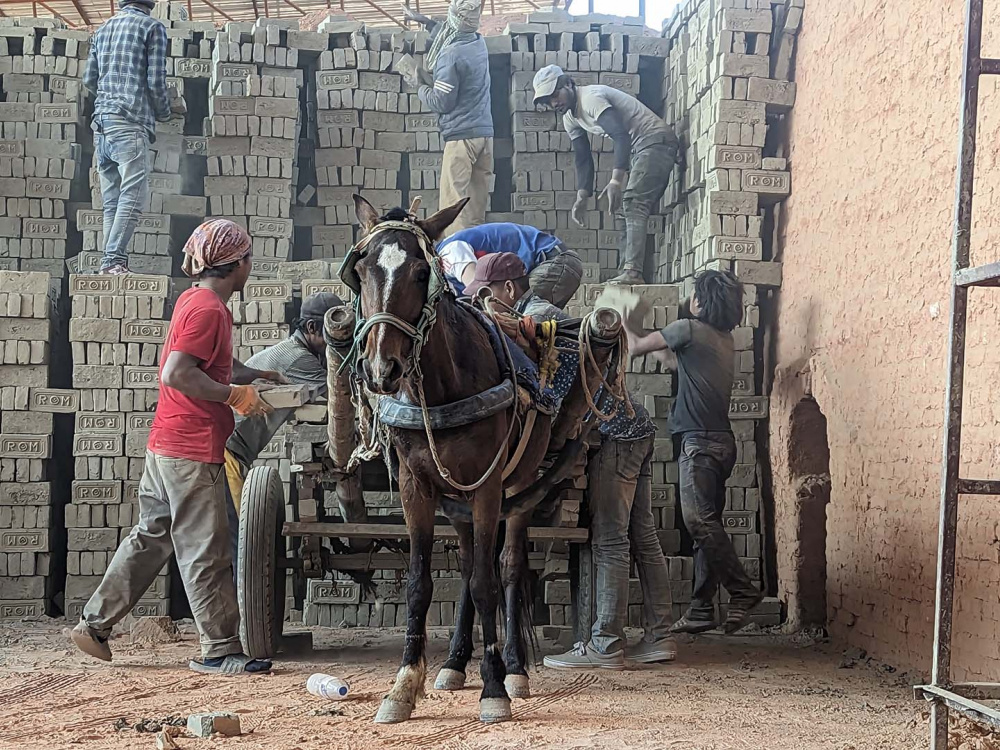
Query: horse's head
{"type": "Point", "coordinates": [394, 274]}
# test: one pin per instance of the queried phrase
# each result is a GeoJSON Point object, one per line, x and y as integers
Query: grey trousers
{"type": "Point", "coordinates": [182, 511]}
{"type": "Point", "coordinates": [649, 174]}
{"type": "Point", "coordinates": [620, 498]}
{"type": "Point", "coordinates": [558, 277]}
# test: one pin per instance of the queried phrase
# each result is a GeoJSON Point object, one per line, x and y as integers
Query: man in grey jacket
{"type": "Point", "coordinates": [460, 94]}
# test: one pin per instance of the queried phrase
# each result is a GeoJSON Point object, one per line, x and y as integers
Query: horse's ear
{"type": "Point", "coordinates": [366, 213]}
{"type": "Point", "coordinates": [435, 225]}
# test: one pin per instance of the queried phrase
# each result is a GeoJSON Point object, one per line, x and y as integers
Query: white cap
{"type": "Point", "coordinates": [546, 80]}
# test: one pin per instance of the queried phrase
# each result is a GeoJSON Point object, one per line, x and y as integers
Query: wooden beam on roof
{"type": "Point", "coordinates": [391, 18]}
{"type": "Point", "coordinates": [57, 14]}
{"type": "Point", "coordinates": [292, 5]}
{"type": "Point", "coordinates": [84, 16]}
{"type": "Point", "coordinates": [190, 10]}
{"type": "Point", "coordinates": [217, 9]}
{"type": "Point", "coordinates": [256, 11]}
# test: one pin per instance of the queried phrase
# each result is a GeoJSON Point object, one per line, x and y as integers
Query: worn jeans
{"type": "Point", "coordinates": [121, 151]}
{"type": "Point", "coordinates": [466, 170]}
{"type": "Point", "coordinates": [557, 278]}
{"type": "Point", "coordinates": [181, 512]}
{"type": "Point", "coordinates": [649, 174]}
{"type": "Point", "coordinates": [705, 463]}
{"type": "Point", "coordinates": [621, 511]}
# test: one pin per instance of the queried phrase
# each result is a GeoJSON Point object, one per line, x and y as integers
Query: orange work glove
{"type": "Point", "coordinates": [246, 401]}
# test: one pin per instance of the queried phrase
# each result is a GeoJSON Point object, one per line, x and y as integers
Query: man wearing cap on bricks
{"type": "Point", "coordinates": [127, 73]}
{"type": "Point", "coordinates": [301, 359]}
{"type": "Point", "coordinates": [182, 496]}
{"type": "Point", "coordinates": [459, 93]}
{"type": "Point", "coordinates": [554, 270]}
{"type": "Point", "coordinates": [645, 148]}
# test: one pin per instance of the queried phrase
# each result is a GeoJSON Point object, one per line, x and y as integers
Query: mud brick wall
{"type": "Point", "coordinates": [41, 122]}
{"type": "Point", "coordinates": [27, 420]}
{"type": "Point", "coordinates": [116, 331]}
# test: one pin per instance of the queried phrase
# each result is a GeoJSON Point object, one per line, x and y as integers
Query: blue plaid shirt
{"type": "Point", "coordinates": [127, 69]}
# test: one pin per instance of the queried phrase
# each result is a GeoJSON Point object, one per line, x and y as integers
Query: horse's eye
{"type": "Point", "coordinates": [423, 275]}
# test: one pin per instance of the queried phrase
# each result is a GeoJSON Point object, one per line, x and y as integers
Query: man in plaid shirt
{"type": "Point", "coordinates": [127, 72]}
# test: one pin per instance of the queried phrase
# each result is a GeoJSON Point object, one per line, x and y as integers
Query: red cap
{"type": "Point", "coordinates": [496, 267]}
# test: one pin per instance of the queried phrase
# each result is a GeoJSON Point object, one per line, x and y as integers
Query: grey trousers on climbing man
{"type": "Point", "coordinates": [557, 278]}
{"type": "Point", "coordinates": [182, 512]}
{"type": "Point", "coordinates": [649, 172]}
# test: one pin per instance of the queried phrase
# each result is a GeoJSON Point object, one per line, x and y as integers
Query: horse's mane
{"type": "Point", "coordinates": [395, 214]}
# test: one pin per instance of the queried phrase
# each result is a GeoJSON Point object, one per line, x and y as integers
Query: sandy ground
{"type": "Point", "coordinates": [751, 692]}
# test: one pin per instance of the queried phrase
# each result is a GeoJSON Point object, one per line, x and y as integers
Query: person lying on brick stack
{"type": "Point", "coordinates": [645, 150]}
{"type": "Point", "coordinates": [127, 74]}
{"type": "Point", "coordinates": [301, 359]}
{"type": "Point", "coordinates": [620, 500]}
{"type": "Point", "coordinates": [554, 270]}
{"type": "Point", "coordinates": [182, 496]}
{"type": "Point", "coordinates": [702, 349]}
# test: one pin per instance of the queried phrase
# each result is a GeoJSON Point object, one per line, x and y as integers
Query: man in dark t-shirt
{"type": "Point", "coordinates": [703, 349]}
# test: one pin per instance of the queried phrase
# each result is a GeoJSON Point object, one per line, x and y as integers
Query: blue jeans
{"type": "Point", "coordinates": [121, 150]}
{"type": "Point", "coordinates": [620, 498]}
{"type": "Point", "coordinates": [705, 463]}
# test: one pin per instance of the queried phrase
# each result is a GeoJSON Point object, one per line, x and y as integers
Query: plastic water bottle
{"type": "Point", "coordinates": [327, 686]}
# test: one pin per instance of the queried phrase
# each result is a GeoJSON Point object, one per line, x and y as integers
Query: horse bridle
{"type": "Point", "coordinates": [437, 286]}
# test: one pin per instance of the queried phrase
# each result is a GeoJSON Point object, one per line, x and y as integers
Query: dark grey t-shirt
{"type": "Point", "coordinates": [704, 376]}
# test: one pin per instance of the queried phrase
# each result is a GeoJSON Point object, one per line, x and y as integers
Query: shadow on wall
{"type": "Point", "coordinates": [809, 479]}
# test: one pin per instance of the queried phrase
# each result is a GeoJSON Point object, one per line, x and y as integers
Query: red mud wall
{"type": "Point", "coordinates": [862, 323]}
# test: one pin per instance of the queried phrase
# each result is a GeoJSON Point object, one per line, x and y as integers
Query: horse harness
{"type": "Point", "coordinates": [399, 414]}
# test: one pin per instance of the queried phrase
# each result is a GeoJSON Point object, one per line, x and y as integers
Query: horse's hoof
{"type": "Point", "coordinates": [494, 710]}
{"type": "Point", "coordinates": [449, 679]}
{"type": "Point", "coordinates": [393, 712]}
{"type": "Point", "coordinates": [517, 686]}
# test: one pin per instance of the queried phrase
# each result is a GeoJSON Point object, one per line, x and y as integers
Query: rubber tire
{"type": "Point", "coordinates": [260, 583]}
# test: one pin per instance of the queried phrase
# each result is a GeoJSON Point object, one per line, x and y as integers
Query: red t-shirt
{"type": "Point", "coordinates": [186, 427]}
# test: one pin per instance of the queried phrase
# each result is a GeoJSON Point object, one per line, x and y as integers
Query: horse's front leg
{"type": "Point", "coordinates": [514, 577]}
{"type": "Point", "coordinates": [452, 674]}
{"type": "Point", "coordinates": [419, 504]}
{"type": "Point", "coordinates": [494, 703]}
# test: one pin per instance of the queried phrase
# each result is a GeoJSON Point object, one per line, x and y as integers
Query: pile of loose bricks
{"type": "Point", "coordinates": [282, 127]}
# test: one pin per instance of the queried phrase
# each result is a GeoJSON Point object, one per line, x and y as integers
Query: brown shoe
{"type": "Point", "coordinates": [89, 642]}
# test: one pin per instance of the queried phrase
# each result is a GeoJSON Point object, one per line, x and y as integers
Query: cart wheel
{"type": "Point", "coordinates": [260, 582]}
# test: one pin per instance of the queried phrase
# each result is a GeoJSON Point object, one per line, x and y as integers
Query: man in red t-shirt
{"type": "Point", "coordinates": [182, 498]}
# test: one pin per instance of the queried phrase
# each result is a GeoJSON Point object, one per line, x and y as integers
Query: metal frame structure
{"type": "Point", "coordinates": [945, 695]}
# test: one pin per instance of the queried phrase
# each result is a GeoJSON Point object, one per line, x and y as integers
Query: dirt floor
{"type": "Point", "coordinates": [756, 692]}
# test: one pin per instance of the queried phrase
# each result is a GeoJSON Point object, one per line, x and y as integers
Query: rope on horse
{"type": "Point", "coordinates": [617, 391]}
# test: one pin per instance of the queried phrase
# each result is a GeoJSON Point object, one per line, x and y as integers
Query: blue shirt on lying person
{"type": "Point", "coordinates": [531, 245]}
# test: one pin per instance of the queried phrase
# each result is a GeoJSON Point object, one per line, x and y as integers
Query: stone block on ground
{"type": "Point", "coordinates": [216, 722]}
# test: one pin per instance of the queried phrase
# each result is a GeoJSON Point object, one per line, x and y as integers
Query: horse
{"type": "Point", "coordinates": [417, 344]}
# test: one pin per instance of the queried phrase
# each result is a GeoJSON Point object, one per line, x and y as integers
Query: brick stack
{"type": "Point", "coordinates": [40, 123]}
{"type": "Point", "coordinates": [116, 331]}
{"type": "Point", "coordinates": [254, 121]}
{"type": "Point", "coordinates": [27, 412]}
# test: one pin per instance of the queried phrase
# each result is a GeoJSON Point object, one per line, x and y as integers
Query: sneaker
{"type": "Point", "coordinates": [739, 611]}
{"type": "Point", "coordinates": [89, 642]}
{"type": "Point", "coordinates": [627, 277]}
{"type": "Point", "coordinates": [585, 656]}
{"type": "Point", "coordinates": [645, 652]}
{"type": "Point", "coordinates": [115, 269]}
{"type": "Point", "coordinates": [693, 625]}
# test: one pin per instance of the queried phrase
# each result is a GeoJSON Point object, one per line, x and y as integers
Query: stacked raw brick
{"type": "Point", "coordinates": [116, 331]}
{"type": "Point", "coordinates": [26, 430]}
{"type": "Point", "coordinates": [40, 121]}
{"type": "Point", "coordinates": [254, 123]}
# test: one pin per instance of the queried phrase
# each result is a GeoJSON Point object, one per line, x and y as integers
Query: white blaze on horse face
{"type": "Point", "coordinates": [391, 257]}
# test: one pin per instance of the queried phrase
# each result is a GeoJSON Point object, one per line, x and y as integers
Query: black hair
{"type": "Point", "coordinates": [301, 324]}
{"type": "Point", "coordinates": [565, 82]}
{"type": "Point", "coordinates": [395, 214]}
{"type": "Point", "coordinates": [522, 285]}
{"type": "Point", "coordinates": [220, 272]}
{"type": "Point", "coordinates": [720, 297]}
